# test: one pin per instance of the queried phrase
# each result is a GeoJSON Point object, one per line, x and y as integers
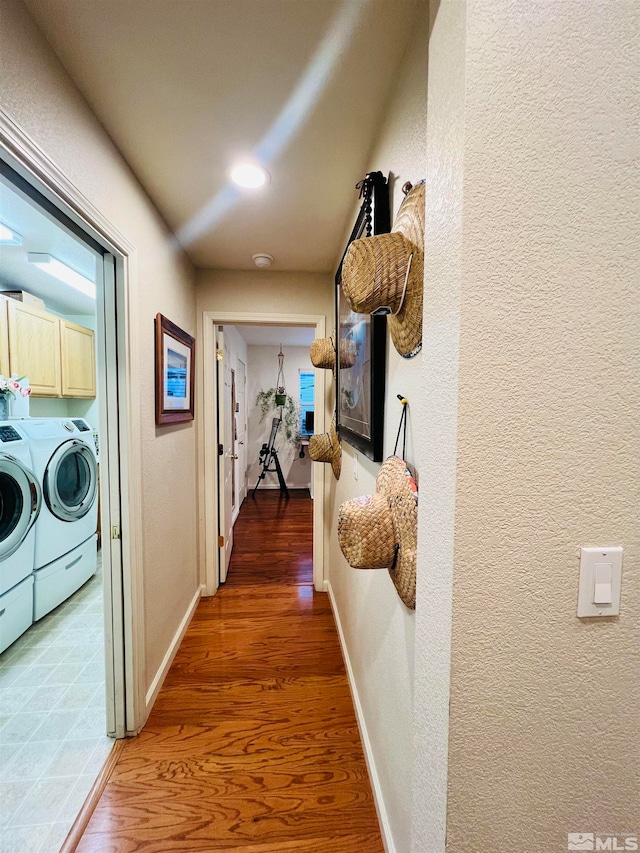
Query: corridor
{"type": "Point", "coordinates": [252, 744]}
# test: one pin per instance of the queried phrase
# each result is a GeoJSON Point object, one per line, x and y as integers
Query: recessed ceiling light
{"type": "Point", "coordinates": [8, 237]}
{"type": "Point", "coordinates": [249, 175]}
{"type": "Point", "coordinates": [62, 272]}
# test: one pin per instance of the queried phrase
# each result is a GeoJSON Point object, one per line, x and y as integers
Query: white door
{"type": "Point", "coordinates": [241, 428]}
{"type": "Point", "coordinates": [120, 678]}
{"type": "Point", "coordinates": [225, 456]}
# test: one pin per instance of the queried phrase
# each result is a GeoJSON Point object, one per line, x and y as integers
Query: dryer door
{"type": "Point", "coordinates": [71, 481]}
{"type": "Point", "coordinates": [19, 504]}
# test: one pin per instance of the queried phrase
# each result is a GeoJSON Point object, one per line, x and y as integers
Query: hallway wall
{"type": "Point", "coordinates": [533, 252]}
{"type": "Point", "coordinates": [38, 95]}
{"type": "Point", "coordinates": [378, 629]}
{"type": "Point", "coordinates": [266, 292]}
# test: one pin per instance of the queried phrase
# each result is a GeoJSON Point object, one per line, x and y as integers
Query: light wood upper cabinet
{"type": "Point", "coordinates": [4, 337]}
{"type": "Point", "coordinates": [34, 348]}
{"type": "Point", "coordinates": [78, 360]}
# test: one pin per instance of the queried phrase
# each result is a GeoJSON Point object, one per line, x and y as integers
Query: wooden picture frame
{"type": "Point", "coordinates": [360, 389]}
{"type": "Point", "coordinates": [175, 372]}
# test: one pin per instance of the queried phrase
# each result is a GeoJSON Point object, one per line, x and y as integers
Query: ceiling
{"type": "Point", "coordinates": [42, 234]}
{"type": "Point", "coordinates": [187, 87]}
{"type": "Point", "coordinates": [288, 336]}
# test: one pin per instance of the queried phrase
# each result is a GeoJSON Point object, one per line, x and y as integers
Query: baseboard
{"type": "Point", "coordinates": [161, 674]}
{"type": "Point", "coordinates": [88, 807]}
{"type": "Point", "coordinates": [383, 819]}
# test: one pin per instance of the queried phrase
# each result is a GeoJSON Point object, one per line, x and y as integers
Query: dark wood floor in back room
{"type": "Point", "coordinates": [252, 745]}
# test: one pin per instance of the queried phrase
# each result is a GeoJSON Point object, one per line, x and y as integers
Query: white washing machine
{"type": "Point", "coordinates": [63, 456]}
{"type": "Point", "coordinates": [20, 503]}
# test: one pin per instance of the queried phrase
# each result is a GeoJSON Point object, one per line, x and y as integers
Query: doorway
{"type": "Point", "coordinates": [37, 181]}
{"type": "Point", "coordinates": [214, 468]}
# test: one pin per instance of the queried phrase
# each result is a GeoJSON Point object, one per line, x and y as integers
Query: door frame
{"type": "Point", "coordinates": [123, 573]}
{"type": "Point", "coordinates": [208, 439]}
{"type": "Point", "coordinates": [242, 490]}
{"type": "Point", "coordinates": [225, 521]}
{"type": "Point", "coordinates": [234, 467]}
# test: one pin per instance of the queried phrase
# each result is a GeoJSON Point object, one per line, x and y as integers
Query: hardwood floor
{"type": "Point", "coordinates": [252, 745]}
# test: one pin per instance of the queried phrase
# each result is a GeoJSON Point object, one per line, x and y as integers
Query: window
{"type": "Point", "coordinates": [306, 398]}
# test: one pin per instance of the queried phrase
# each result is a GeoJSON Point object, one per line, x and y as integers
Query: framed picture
{"type": "Point", "coordinates": [360, 388]}
{"type": "Point", "coordinates": [174, 373]}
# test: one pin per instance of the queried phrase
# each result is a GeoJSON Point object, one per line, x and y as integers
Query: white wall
{"type": "Point", "coordinates": [39, 96]}
{"type": "Point", "coordinates": [59, 407]}
{"type": "Point", "coordinates": [532, 263]}
{"type": "Point", "coordinates": [262, 373]}
{"type": "Point", "coordinates": [265, 291]}
{"type": "Point", "coordinates": [378, 629]}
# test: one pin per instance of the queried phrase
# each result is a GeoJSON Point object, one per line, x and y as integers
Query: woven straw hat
{"type": "Point", "coordinates": [325, 447]}
{"type": "Point", "coordinates": [384, 274]}
{"type": "Point", "coordinates": [323, 353]}
{"type": "Point", "coordinates": [380, 531]}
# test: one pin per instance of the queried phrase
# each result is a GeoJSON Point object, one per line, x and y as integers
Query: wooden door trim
{"type": "Point", "coordinates": [208, 438]}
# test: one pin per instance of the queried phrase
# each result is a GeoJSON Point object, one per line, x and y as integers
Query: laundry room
{"type": "Point", "coordinates": [52, 674]}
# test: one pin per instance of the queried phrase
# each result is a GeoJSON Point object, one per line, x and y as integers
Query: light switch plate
{"type": "Point", "coordinates": [597, 565]}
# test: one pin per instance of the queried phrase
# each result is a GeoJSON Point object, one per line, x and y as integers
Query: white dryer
{"type": "Point", "coordinates": [64, 461]}
{"type": "Point", "coordinates": [20, 502]}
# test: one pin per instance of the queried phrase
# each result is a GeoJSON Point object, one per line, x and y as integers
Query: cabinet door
{"type": "Point", "coordinates": [4, 337]}
{"type": "Point", "coordinates": [34, 348]}
{"type": "Point", "coordinates": [78, 360]}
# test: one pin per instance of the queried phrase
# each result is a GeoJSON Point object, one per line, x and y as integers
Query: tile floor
{"type": "Point", "coordinates": [52, 723]}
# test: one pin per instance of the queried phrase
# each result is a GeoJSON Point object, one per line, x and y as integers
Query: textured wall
{"type": "Point", "coordinates": [265, 292]}
{"type": "Point", "coordinates": [544, 707]}
{"type": "Point", "coordinates": [435, 419]}
{"type": "Point", "coordinates": [37, 93]}
{"type": "Point", "coordinates": [378, 628]}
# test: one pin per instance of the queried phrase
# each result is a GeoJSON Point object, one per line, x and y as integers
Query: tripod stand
{"type": "Point", "coordinates": [268, 454]}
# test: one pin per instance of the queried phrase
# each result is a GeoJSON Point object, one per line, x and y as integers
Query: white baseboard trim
{"type": "Point", "coordinates": [383, 819]}
{"type": "Point", "coordinates": [161, 674]}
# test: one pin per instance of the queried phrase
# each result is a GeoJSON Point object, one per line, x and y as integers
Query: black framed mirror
{"type": "Point", "coordinates": [360, 387]}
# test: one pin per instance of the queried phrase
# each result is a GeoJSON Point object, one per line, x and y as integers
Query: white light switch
{"type": "Point", "coordinates": [600, 579]}
{"type": "Point", "coordinates": [602, 583]}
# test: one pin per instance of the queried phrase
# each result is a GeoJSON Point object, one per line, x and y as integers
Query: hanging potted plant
{"type": "Point", "coordinates": [281, 391]}
{"type": "Point", "coordinates": [289, 412]}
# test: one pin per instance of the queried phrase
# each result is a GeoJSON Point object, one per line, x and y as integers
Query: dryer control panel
{"type": "Point", "coordinates": [8, 433]}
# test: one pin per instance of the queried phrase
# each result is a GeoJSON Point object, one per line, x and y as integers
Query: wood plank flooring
{"type": "Point", "coordinates": [252, 745]}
